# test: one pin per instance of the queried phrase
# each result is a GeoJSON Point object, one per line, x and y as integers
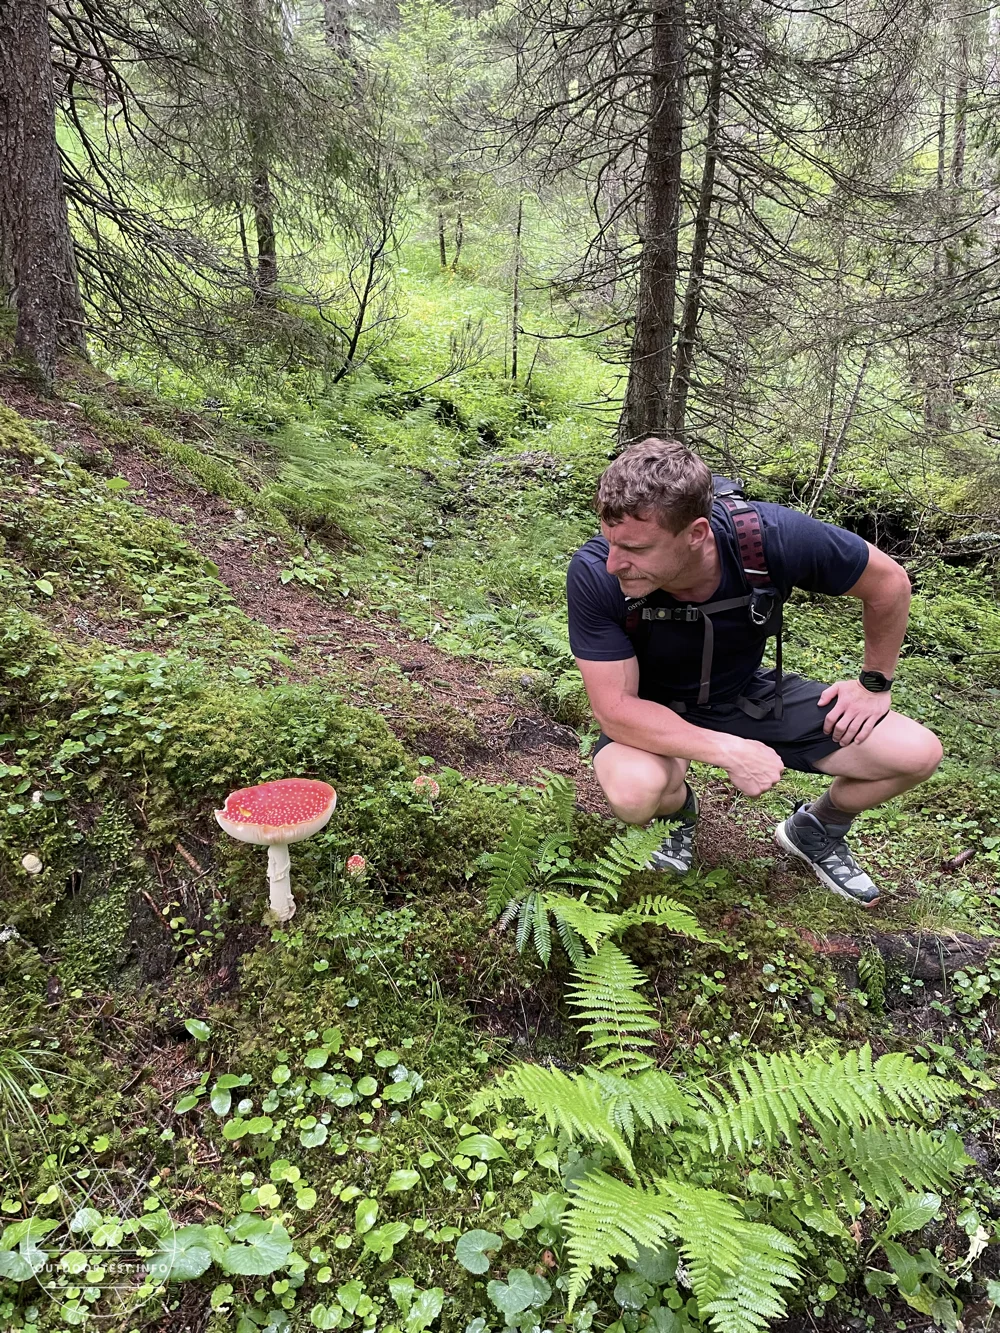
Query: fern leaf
{"type": "Point", "coordinates": [557, 800]}
{"type": "Point", "coordinates": [888, 1160]}
{"type": "Point", "coordinates": [512, 865]}
{"type": "Point", "coordinates": [770, 1096]}
{"type": "Point", "coordinates": [607, 1220]}
{"type": "Point", "coordinates": [659, 910]}
{"type": "Point", "coordinates": [616, 1016]}
{"type": "Point", "coordinates": [590, 923]}
{"type": "Point", "coordinates": [738, 1268]}
{"type": "Point", "coordinates": [525, 921]}
{"type": "Point", "coordinates": [575, 951]}
{"type": "Point", "coordinates": [572, 1103]}
{"type": "Point", "coordinates": [652, 1097]}
{"type": "Point", "coordinates": [625, 854]}
{"type": "Point", "coordinates": [541, 929]}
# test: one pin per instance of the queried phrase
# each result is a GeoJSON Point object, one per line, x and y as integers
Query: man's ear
{"type": "Point", "coordinates": [698, 532]}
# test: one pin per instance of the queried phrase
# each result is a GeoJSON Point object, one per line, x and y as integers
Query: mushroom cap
{"type": "Point", "coordinates": [288, 810]}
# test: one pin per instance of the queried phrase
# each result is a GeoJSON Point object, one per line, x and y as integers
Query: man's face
{"type": "Point", "coordinates": [644, 556]}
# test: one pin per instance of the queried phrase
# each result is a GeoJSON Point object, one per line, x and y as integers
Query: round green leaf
{"type": "Point", "coordinates": [221, 1099]}
{"type": "Point", "coordinates": [198, 1029]}
{"type": "Point", "coordinates": [472, 1249]}
{"type": "Point", "coordinates": [514, 1295]}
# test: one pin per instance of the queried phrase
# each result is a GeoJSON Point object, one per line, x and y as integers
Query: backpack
{"type": "Point", "coordinates": [762, 599]}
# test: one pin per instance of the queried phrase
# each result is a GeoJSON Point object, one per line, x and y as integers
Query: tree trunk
{"type": "Point", "coordinates": [516, 302]}
{"type": "Point", "coordinates": [684, 357]}
{"type": "Point", "coordinates": [442, 243]}
{"type": "Point", "coordinates": [336, 29]}
{"type": "Point", "coordinates": [35, 242]}
{"type": "Point", "coordinates": [261, 196]}
{"type": "Point", "coordinates": [645, 410]}
{"type": "Point", "coordinates": [459, 238]}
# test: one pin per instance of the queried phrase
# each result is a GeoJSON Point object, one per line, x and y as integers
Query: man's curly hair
{"type": "Point", "coordinates": [658, 479]}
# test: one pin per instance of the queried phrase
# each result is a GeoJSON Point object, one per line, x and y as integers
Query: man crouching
{"type": "Point", "coordinates": [669, 612]}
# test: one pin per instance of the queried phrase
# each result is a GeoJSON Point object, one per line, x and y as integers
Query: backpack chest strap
{"type": "Point", "coordinates": [704, 614]}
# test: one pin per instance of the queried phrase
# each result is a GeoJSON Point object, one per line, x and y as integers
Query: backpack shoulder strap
{"type": "Point", "coordinates": [750, 539]}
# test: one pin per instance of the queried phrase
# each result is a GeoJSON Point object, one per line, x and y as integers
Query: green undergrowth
{"type": "Point", "coordinates": [302, 1093]}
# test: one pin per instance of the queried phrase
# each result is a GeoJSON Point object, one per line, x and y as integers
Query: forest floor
{"type": "Point", "coordinates": [794, 964]}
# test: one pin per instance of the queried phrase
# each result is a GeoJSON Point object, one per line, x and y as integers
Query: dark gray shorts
{"type": "Point", "coordinates": [798, 737]}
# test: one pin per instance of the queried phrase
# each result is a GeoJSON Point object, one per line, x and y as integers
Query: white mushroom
{"type": "Point", "coordinates": [32, 864]}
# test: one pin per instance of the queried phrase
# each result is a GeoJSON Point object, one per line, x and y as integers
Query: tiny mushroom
{"type": "Point", "coordinates": [273, 815]}
{"type": "Point", "coordinates": [426, 786]}
{"type": "Point", "coordinates": [356, 865]}
{"type": "Point", "coordinates": [32, 864]}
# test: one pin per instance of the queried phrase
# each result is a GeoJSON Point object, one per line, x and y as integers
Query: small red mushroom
{"type": "Point", "coordinates": [426, 786]}
{"type": "Point", "coordinates": [273, 815]}
{"type": "Point", "coordinates": [356, 865]}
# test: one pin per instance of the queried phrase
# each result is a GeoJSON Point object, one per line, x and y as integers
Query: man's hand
{"type": "Point", "coordinates": [857, 710]}
{"type": "Point", "coordinates": [753, 768]}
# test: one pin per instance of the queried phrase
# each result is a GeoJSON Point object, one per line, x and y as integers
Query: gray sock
{"type": "Point", "coordinates": [830, 815]}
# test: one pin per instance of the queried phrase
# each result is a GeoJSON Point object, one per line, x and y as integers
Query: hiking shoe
{"type": "Point", "coordinates": [676, 852]}
{"type": "Point", "coordinates": [824, 849]}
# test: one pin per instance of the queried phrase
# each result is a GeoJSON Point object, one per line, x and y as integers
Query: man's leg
{"type": "Point", "coordinates": [899, 754]}
{"type": "Point", "coordinates": [640, 786]}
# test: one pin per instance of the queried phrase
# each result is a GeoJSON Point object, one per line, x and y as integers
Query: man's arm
{"type": "Point", "coordinates": [884, 592]}
{"type": "Point", "coordinates": [613, 690]}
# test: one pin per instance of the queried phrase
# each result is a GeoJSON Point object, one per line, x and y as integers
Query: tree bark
{"type": "Point", "coordinates": [684, 356]}
{"type": "Point", "coordinates": [261, 196]}
{"type": "Point", "coordinates": [515, 323]}
{"type": "Point", "coordinates": [36, 247]}
{"type": "Point", "coordinates": [336, 29]}
{"type": "Point", "coordinates": [442, 243]}
{"type": "Point", "coordinates": [646, 407]}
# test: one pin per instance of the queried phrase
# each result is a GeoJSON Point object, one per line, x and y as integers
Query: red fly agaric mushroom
{"type": "Point", "coordinates": [273, 815]}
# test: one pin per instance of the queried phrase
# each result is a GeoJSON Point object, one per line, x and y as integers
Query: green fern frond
{"type": "Point", "coordinates": [512, 866]}
{"type": "Point", "coordinates": [771, 1096]}
{"type": "Point", "coordinates": [659, 910]}
{"type": "Point", "coordinates": [887, 1160]}
{"type": "Point", "coordinates": [557, 800]}
{"type": "Point", "coordinates": [572, 1103]}
{"type": "Point", "coordinates": [571, 942]}
{"type": "Point", "coordinates": [616, 1016]}
{"type": "Point", "coordinates": [590, 923]}
{"type": "Point", "coordinates": [608, 1220]}
{"type": "Point", "coordinates": [525, 921]}
{"type": "Point", "coordinates": [652, 1097]}
{"type": "Point", "coordinates": [718, 1243]}
{"type": "Point", "coordinates": [541, 930]}
{"type": "Point", "coordinates": [738, 1268]}
{"type": "Point", "coordinates": [626, 854]}
{"type": "Point", "coordinates": [909, 1088]}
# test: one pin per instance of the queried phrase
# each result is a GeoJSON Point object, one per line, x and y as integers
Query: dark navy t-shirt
{"type": "Point", "coordinates": [801, 552]}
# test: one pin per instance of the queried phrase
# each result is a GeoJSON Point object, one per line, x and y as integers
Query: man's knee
{"type": "Point", "coordinates": [635, 788]}
{"type": "Point", "coordinates": [919, 753]}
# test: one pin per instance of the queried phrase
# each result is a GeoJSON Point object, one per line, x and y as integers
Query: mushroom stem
{"type": "Point", "coordinates": [279, 874]}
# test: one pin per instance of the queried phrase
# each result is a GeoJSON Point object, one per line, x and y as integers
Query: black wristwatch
{"type": "Point", "coordinates": [875, 681]}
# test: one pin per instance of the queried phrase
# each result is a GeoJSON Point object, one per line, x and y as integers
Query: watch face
{"type": "Point", "coordinates": [874, 680]}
